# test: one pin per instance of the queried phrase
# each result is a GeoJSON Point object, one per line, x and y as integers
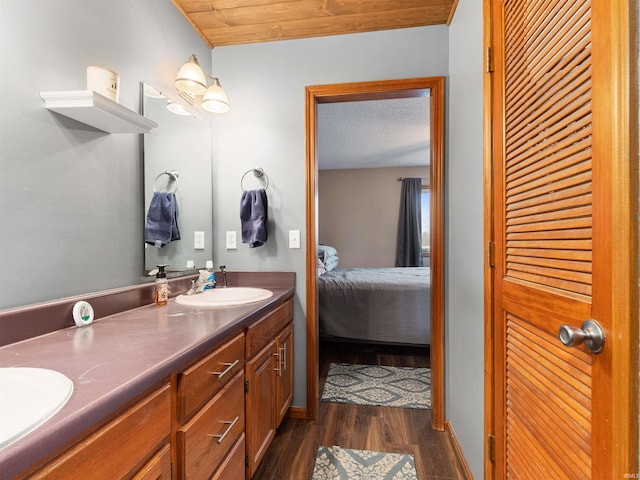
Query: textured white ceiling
{"type": "Point", "coordinates": [373, 133]}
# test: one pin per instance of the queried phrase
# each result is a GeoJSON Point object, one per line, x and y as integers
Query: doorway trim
{"type": "Point", "coordinates": [376, 90]}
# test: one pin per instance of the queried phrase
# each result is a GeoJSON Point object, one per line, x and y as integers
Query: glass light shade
{"type": "Point", "coordinates": [176, 108]}
{"type": "Point", "coordinates": [215, 100]}
{"type": "Point", "coordinates": [191, 78]}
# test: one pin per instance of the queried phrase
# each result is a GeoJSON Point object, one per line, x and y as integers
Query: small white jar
{"type": "Point", "coordinates": [104, 81]}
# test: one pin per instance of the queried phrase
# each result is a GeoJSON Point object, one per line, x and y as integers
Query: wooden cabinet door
{"type": "Point", "coordinates": [260, 401]}
{"type": "Point", "coordinates": [284, 373]}
{"type": "Point", "coordinates": [563, 207]}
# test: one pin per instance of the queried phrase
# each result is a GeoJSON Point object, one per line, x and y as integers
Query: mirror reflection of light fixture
{"type": "Point", "coordinates": [151, 92]}
{"type": "Point", "coordinates": [191, 78]}
{"type": "Point", "coordinates": [192, 82]}
{"type": "Point", "coordinates": [176, 108]}
{"type": "Point", "coordinates": [215, 100]}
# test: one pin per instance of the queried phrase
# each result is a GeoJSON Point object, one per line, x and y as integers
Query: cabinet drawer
{"type": "Point", "coordinates": [266, 329]}
{"type": "Point", "coordinates": [201, 381]}
{"type": "Point", "coordinates": [158, 468]}
{"type": "Point", "coordinates": [120, 447]}
{"type": "Point", "coordinates": [233, 466]}
{"type": "Point", "coordinates": [205, 439]}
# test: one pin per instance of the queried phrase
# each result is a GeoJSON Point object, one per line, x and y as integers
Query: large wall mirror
{"type": "Point", "coordinates": [177, 158]}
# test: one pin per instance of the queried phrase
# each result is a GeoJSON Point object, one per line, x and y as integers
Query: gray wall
{"type": "Point", "coordinates": [72, 208]}
{"type": "Point", "coordinates": [464, 285]}
{"type": "Point", "coordinates": [358, 212]}
{"type": "Point", "coordinates": [266, 128]}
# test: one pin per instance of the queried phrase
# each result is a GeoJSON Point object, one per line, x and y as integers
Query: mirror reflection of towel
{"type": "Point", "coordinates": [162, 220]}
{"type": "Point", "coordinates": [253, 214]}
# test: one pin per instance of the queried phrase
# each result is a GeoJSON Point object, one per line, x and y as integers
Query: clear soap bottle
{"type": "Point", "coordinates": [162, 287]}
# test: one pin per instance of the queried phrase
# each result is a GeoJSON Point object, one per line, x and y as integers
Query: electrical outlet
{"type": "Point", "coordinates": [231, 240]}
{"type": "Point", "coordinates": [198, 240]}
{"type": "Point", "coordinates": [294, 238]}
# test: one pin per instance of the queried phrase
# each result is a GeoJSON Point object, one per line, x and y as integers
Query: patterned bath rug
{"type": "Point", "coordinates": [406, 387]}
{"type": "Point", "coordinates": [335, 463]}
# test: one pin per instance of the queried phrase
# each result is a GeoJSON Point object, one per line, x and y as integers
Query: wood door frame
{"type": "Point", "coordinates": [405, 88]}
{"type": "Point", "coordinates": [489, 370]}
{"type": "Point", "coordinates": [617, 103]}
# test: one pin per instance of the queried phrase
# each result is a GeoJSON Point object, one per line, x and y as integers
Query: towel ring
{"type": "Point", "coordinates": [173, 174]}
{"type": "Point", "coordinates": [258, 173]}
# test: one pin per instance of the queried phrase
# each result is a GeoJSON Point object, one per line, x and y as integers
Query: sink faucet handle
{"type": "Point", "coordinates": [224, 275]}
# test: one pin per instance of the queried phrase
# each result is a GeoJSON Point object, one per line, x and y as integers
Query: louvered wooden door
{"type": "Point", "coordinates": [552, 226]}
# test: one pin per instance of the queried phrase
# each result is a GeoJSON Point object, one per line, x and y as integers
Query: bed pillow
{"type": "Point", "coordinates": [325, 252]}
{"type": "Point", "coordinates": [331, 264]}
{"type": "Point", "coordinates": [329, 256]}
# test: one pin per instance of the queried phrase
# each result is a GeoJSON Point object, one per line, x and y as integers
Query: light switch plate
{"type": "Point", "coordinates": [198, 240]}
{"type": "Point", "coordinates": [231, 240]}
{"type": "Point", "coordinates": [294, 238]}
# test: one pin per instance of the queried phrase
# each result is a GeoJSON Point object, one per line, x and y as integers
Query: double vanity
{"type": "Point", "coordinates": [189, 390]}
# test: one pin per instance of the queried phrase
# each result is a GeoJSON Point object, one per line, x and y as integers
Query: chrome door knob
{"type": "Point", "coordinates": [591, 334]}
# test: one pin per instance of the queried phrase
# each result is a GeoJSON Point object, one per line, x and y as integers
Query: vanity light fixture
{"type": "Point", "coordinates": [191, 78]}
{"type": "Point", "coordinates": [191, 82]}
{"type": "Point", "coordinates": [215, 99]}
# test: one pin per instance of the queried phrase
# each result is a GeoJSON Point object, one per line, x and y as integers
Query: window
{"type": "Point", "coordinates": [426, 221]}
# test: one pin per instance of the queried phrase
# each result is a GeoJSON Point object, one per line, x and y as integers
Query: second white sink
{"type": "Point", "coordinates": [225, 297]}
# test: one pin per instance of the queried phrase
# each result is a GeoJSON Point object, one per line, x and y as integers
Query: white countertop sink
{"type": "Point", "coordinates": [225, 297]}
{"type": "Point", "coordinates": [28, 398]}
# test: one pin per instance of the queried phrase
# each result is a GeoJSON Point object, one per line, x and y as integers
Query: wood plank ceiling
{"type": "Point", "coordinates": [232, 22]}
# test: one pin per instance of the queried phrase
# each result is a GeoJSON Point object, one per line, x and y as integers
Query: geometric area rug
{"type": "Point", "coordinates": [335, 463]}
{"type": "Point", "coordinates": [406, 387]}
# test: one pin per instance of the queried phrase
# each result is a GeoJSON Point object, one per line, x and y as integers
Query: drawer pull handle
{"type": "Point", "coordinates": [221, 436]}
{"type": "Point", "coordinates": [283, 349]}
{"type": "Point", "coordinates": [278, 369]}
{"type": "Point", "coordinates": [226, 370]}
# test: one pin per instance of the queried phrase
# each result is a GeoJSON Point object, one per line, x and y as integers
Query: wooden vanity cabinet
{"type": "Point", "coordinates": [205, 440]}
{"type": "Point", "coordinates": [234, 465]}
{"type": "Point", "coordinates": [158, 468]}
{"type": "Point", "coordinates": [215, 421]}
{"type": "Point", "coordinates": [260, 401]}
{"type": "Point", "coordinates": [210, 413]}
{"type": "Point", "coordinates": [284, 372]}
{"type": "Point", "coordinates": [269, 380]}
{"type": "Point", "coordinates": [133, 445]}
{"type": "Point", "coordinates": [197, 384]}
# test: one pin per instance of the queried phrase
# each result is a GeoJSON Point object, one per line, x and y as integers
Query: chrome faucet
{"type": "Point", "coordinates": [224, 275]}
{"type": "Point", "coordinates": [198, 287]}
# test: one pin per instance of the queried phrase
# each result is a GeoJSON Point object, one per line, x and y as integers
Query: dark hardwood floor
{"type": "Point", "coordinates": [397, 430]}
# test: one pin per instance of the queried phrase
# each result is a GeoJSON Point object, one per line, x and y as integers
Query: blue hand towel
{"type": "Point", "coordinates": [162, 220]}
{"type": "Point", "coordinates": [253, 215]}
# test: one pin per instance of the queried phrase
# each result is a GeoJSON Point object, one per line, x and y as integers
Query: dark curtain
{"type": "Point", "coordinates": [409, 247]}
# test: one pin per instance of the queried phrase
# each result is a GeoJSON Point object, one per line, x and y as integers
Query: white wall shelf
{"type": "Point", "coordinates": [96, 110]}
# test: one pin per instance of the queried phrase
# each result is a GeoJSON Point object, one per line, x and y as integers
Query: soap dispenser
{"type": "Point", "coordinates": [162, 287]}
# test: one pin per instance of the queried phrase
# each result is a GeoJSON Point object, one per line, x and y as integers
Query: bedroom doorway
{"type": "Point", "coordinates": [433, 87]}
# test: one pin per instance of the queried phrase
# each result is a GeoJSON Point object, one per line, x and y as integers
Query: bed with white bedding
{"type": "Point", "coordinates": [386, 305]}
